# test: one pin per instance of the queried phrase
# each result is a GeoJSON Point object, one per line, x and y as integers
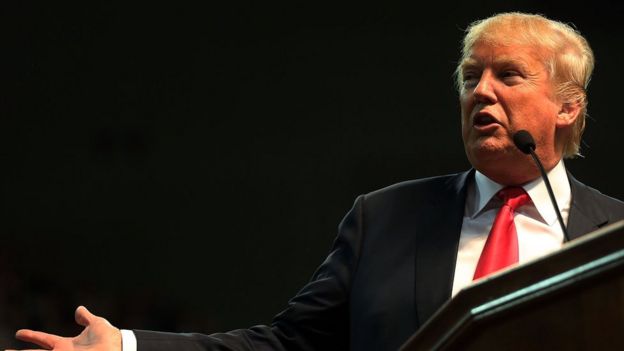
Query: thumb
{"type": "Point", "coordinates": [83, 316]}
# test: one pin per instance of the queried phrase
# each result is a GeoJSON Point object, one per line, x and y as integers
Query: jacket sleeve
{"type": "Point", "coordinates": [317, 318]}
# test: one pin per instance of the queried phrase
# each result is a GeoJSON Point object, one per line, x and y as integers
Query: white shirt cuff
{"type": "Point", "coordinates": [128, 340]}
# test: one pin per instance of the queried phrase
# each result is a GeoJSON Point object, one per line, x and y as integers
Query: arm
{"type": "Point", "coordinates": [317, 318]}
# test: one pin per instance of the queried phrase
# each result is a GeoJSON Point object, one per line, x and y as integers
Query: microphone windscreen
{"type": "Point", "coordinates": [524, 141]}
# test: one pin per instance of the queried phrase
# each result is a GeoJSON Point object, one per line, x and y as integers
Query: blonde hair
{"type": "Point", "coordinates": [570, 64]}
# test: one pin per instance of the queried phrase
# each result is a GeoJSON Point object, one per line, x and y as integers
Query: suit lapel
{"type": "Point", "coordinates": [586, 215]}
{"type": "Point", "coordinates": [436, 246]}
{"type": "Point", "coordinates": [438, 238]}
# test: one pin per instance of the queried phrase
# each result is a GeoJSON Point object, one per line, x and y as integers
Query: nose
{"type": "Point", "coordinates": [484, 90]}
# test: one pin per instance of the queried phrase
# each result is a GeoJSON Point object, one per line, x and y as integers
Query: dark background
{"type": "Point", "coordinates": [184, 167]}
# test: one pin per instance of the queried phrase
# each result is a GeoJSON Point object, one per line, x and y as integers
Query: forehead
{"type": "Point", "coordinates": [527, 57]}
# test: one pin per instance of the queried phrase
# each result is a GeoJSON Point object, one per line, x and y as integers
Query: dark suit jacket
{"type": "Point", "coordinates": [391, 267]}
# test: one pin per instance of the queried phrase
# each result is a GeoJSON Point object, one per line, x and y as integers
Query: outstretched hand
{"type": "Point", "coordinates": [98, 335]}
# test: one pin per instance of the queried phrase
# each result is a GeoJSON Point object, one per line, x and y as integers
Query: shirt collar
{"type": "Point", "coordinates": [485, 189]}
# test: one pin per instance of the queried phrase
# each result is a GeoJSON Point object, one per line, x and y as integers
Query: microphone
{"type": "Point", "coordinates": [524, 141]}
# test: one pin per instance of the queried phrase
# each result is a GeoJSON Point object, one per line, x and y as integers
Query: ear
{"type": "Point", "coordinates": [568, 114]}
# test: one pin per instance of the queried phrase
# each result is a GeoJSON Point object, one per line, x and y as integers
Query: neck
{"type": "Point", "coordinates": [517, 172]}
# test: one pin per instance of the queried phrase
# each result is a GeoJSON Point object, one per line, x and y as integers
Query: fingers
{"type": "Point", "coordinates": [83, 316]}
{"type": "Point", "coordinates": [42, 339]}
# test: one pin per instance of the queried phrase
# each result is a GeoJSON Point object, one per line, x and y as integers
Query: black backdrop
{"type": "Point", "coordinates": [184, 167]}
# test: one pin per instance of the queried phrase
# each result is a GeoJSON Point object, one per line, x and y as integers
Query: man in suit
{"type": "Point", "coordinates": [404, 250]}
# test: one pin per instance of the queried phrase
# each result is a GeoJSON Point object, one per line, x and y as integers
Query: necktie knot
{"type": "Point", "coordinates": [513, 197]}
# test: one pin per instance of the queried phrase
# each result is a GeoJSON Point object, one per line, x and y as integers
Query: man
{"type": "Point", "coordinates": [402, 251]}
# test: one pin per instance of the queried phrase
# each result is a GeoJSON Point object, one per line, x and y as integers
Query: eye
{"type": "Point", "coordinates": [470, 78]}
{"type": "Point", "coordinates": [510, 76]}
{"type": "Point", "coordinates": [509, 73]}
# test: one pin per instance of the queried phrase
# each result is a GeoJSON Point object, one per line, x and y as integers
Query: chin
{"type": "Point", "coordinates": [487, 153]}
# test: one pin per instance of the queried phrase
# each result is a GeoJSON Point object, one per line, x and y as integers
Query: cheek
{"type": "Point", "coordinates": [465, 107]}
{"type": "Point", "coordinates": [464, 98]}
{"type": "Point", "coordinates": [542, 114]}
{"type": "Point", "coordinates": [538, 119]}
{"type": "Point", "coordinates": [465, 129]}
{"type": "Point", "coordinates": [464, 123]}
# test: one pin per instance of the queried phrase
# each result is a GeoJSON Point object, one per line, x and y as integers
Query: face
{"type": "Point", "coordinates": [506, 89]}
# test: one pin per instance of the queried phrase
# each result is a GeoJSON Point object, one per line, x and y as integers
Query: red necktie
{"type": "Point", "coordinates": [501, 247]}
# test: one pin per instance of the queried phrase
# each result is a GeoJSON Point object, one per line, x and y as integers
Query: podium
{"type": "Point", "coordinates": [572, 299]}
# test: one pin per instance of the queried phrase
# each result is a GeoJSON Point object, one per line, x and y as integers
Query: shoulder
{"type": "Point", "coordinates": [423, 189]}
{"type": "Point", "coordinates": [585, 193]}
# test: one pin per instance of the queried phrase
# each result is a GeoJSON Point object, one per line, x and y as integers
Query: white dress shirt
{"type": "Point", "coordinates": [536, 224]}
{"type": "Point", "coordinates": [539, 232]}
{"type": "Point", "coordinates": [128, 340]}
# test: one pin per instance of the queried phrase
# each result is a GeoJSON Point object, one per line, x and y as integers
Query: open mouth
{"type": "Point", "coordinates": [483, 119]}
